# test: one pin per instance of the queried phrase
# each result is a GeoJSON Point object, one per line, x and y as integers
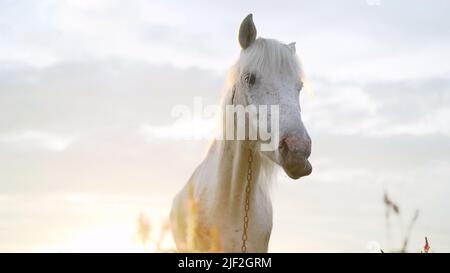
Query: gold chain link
{"type": "Point", "coordinates": [248, 188]}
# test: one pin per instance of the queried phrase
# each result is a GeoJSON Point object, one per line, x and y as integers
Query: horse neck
{"type": "Point", "coordinates": [231, 158]}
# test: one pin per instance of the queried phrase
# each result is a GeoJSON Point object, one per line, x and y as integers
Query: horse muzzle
{"type": "Point", "coordinates": [294, 156]}
{"type": "Point", "coordinates": [297, 169]}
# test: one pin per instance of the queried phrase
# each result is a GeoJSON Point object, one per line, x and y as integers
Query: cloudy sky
{"type": "Point", "coordinates": [87, 140]}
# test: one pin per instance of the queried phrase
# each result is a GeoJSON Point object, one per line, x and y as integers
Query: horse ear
{"type": "Point", "coordinates": [247, 32]}
{"type": "Point", "coordinates": [292, 47]}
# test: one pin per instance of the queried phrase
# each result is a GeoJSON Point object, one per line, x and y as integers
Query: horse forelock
{"type": "Point", "coordinates": [267, 58]}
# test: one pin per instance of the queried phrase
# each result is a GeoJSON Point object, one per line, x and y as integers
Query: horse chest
{"type": "Point", "coordinates": [231, 221]}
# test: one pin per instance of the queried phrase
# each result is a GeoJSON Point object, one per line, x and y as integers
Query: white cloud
{"type": "Point", "coordinates": [358, 44]}
{"type": "Point", "coordinates": [379, 109]}
{"type": "Point", "coordinates": [191, 129]}
{"type": "Point", "coordinates": [437, 121]}
{"type": "Point", "coordinates": [37, 139]}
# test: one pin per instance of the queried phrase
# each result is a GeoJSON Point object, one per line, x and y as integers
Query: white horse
{"type": "Point", "coordinates": [228, 192]}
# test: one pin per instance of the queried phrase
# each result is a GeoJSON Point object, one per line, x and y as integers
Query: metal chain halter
{"type": "Point", "coordinates": [248, 189]}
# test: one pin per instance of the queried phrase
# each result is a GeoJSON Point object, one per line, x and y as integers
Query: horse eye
{"type": "Point", "coordinates": [250, 78]}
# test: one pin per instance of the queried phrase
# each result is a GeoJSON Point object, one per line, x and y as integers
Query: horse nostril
{"type": "Point", "coordinates": [293, 144]}
{"type": "Point", "coordinates": [283, 148]}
